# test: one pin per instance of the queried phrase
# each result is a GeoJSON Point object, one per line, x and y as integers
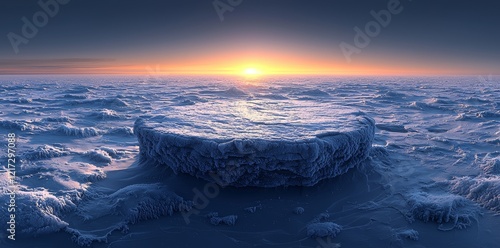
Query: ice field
{"type": "Point", "coordinates": [110, 161]}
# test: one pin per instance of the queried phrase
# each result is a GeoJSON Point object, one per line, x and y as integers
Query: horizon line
{"type": "Point", "coordinates": [251, 76]}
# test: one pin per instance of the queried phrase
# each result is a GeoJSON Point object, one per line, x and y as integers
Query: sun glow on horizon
{"type": "Point", "coordinates": [249, 67]}
{"type": "Point", "coordinates": [252, 71]}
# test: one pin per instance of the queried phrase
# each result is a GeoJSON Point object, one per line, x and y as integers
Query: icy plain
{"type": "Point", "coordinates": [430, 179]}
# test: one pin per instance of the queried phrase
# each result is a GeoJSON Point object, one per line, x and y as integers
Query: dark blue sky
{"type": "Point", "coordinates": [454, 35]}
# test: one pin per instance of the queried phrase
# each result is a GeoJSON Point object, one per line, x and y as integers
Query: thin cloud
{"type": "Point", "coordinates": [56, 65]}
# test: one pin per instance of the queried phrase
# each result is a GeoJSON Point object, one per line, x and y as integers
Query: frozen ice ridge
{"type": "Point", "coordinates": [261, 162]}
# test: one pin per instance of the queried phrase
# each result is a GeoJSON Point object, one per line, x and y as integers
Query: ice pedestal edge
{"type": "Point", "coordinates": [257, 162]}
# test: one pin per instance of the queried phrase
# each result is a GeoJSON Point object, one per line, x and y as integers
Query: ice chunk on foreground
{"type": "Point", "coordinates": [454, 210]}
{"type": "Point", "coordinates": [483, 190]}
{"type": "Point", "coordinates": [37, 211]}
{"type": "Point", "coordinates": [304, 159]}
{"type": "Point", "coordinates": [323, 229]}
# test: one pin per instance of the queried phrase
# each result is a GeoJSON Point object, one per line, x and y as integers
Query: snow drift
{"type": "Point", "coordinates": [19, 125]}
{"type": "Point", "coordinates": [83, 132]}
{"type": "Point", "coordinates": [323, 229]}
{"type": "Point", "coordinates": [37, 211]}
{"type": "Point", "coordinates": [126, 206]}
{"type": "Point", "coordinates": [407, 234]}
{"type": "Point", "coordinates": [257, 162]}
{"type": "Point", "coordinates": [446, 209]}
{"type": "Point", "coordinates": [45, 152]}
{"type": "Point", "coordinates": [229, 220]}
{"type": "Point", "coordinates": [483, 190]}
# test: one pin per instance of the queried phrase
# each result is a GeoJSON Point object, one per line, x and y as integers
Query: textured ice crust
{"type": "Point", "coordinates": [323, 229]}
{"type": "Point", "coordinates": [229, 220]}
{"type": "Point", "coordinates": [453, 210]}
{"type": "Point", "coordinates": [258, 162]}
{"type": "Point", "coordinates": [483, 190]}
{"type": "Point", "coordinates": [407, 234]}
{"type": "Point", "coordinates": [37, 212]}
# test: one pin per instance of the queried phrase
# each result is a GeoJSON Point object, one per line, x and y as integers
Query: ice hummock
{"type": "Point", "coordinates": [264, 162]}
{"type": "Point", "coordinates": [323, 229]}
{"type": "Point", "coordinates": [483, 190]}
{"type": "Point", "coordinates": [453, 210]}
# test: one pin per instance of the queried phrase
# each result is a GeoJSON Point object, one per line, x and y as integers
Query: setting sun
{"type": "Point", "coordinates": [252, 71]}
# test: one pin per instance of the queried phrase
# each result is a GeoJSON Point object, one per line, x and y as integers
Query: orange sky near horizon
{"type": "Point", "coordinates": [236, 65]}
{"type": "Point", "coordinates": [232, 55]}
{"type": "Point", "coordinates": [271, 37]}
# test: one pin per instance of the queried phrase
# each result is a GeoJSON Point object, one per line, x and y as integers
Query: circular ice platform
{"type": "Point", "coordinates": [251, 146]}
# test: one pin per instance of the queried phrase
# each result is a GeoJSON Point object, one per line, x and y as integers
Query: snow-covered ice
{"type": "Point", "coordinates": [323, 229]}
{"type": "Point", "coordinates": [262, 161]}
{"type": "Point", "coordinates": [453, 209]}
{"type": "Point", "coordinates": [406, 162]}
